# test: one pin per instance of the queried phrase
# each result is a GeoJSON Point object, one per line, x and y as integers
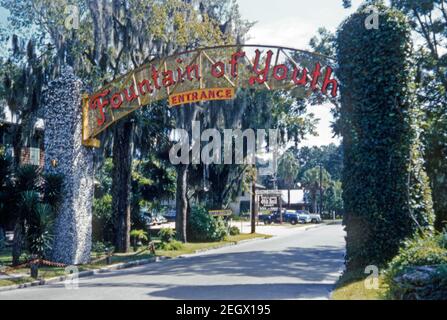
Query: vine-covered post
{"type": "Point", "coordinates": [65, 155]}
{"type": "Point", "coordinates": [385, 188]}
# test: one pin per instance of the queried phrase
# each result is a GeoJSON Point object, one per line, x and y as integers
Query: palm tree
{"type": "Point", "coordinates": [35, 198]}
{"type": "Point", "coordinates": [311, 183]}
{"type": "Point", "coordinates": [288, 170]}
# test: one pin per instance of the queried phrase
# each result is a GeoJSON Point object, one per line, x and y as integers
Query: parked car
{"type": "Point", "coordinates": [303, 216]}
{"type": "Point", "coordinates": [149, 220]}
{"type": "Point", "coordinates": [170, 215]}
{"type": "Point", "coordinates": [268, 218]}
{"type": "Point", "coordinates": [315, 218]}
{"type": "Point", "coordinates": [289, 216]}
{"type": "Point", "coordinates": [161, 219]}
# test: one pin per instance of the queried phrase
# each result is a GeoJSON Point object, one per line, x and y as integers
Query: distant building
{"type": "Point", "coordinates": [297, 200]}
{"type": "Point", "coordinates": [242, 204]}
{"type": "Point", "coordinates": [33, 151]}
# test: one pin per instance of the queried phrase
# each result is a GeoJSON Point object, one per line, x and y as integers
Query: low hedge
{"type": "Point", "coordinates": [421, 283]}
{"type": "Point", "coordinates": [419, 271]}
{"type": "Point", "coordinates": [204, 227]}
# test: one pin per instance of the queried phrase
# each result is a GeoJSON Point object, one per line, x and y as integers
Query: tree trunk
{"type": "Point", "coordinates": [17, 243]}
{"type": "Point", "coordinates": [181, 201]}
{"type": "Point", "coordinates": [288, 198]}
{"type": "Point", "coordinates": [184, 118]}
{"type": "Point", "coordinates": [314, 202]}
{"type": "Point", "coordinates": [121, 183]}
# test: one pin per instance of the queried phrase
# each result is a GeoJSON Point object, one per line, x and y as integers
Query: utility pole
{"type": "Point", "coordinates": [253, 201]}
{"type": "Point", "coordinates": [278, 198]}
{"type": "Point", "coordinates": [321, 189]}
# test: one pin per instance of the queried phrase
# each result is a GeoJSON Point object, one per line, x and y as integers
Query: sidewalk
{"type": "Point", "coordinates": [272, 229]}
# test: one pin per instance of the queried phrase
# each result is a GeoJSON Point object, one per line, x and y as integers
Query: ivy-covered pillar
{"type": "Point", "coordinates": [385, 188]}
{"type": "Point", "coordinates": [65, 154]}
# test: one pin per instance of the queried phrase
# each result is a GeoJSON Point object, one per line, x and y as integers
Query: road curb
{"type": "Point", "coordinates": [118, 266]}
{"type": "Point", "coordinates": [83, 274]}
{"type": "Point", "coordinates": [222, 246]}
{"type": "Point", "coordinates": [315, 226]}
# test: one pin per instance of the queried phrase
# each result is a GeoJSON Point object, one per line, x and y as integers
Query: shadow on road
{"type": "Point", "coordinates": [245, 291]}
{"type": "Point", "coordinates": [309, 272]}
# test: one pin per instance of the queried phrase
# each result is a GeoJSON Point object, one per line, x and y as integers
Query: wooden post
{"type": "Point", "coordinates": [280, 209]}
{"type": "Point", "coordinates": [253, 206]}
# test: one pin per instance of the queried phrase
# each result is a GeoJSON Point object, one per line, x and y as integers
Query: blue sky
{"type": "Point", "coordinates": [293, 23]}
{"type": "Point", "coordinates": [290, 23]}
{"type": "Point", "coordinates": [3, 13]}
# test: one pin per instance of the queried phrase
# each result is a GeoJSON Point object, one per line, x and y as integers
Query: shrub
{"type": "Point", "coordinates": [204, 227]}
{"type": "Point", "coordinates": [172, 245]}
{"type": "Point", "coordinates": [241, 217]}
{"type": "Point", "coordinates": [2, 242]}
{"type": "Point", "coordinates": [420, 283]}
{"type": "Point", "coordinates": [443, 240]}
{"type": "Point", "coordinates": [417, 271]}
{"type": "Point", "coordinates": [166, 234]}
{"type": "Point", "coordinates": [426, 251]}
{"type": "Point", "coordinates": [40, 236]}
{"type": "Point", "coordinates": [234, 231]}
{"type": "Point", "coordinates": [99, 248]}
{"type": "Point", "coordinates": [102, 220]}
{"type": "Point", "coordinates": [138, 235]}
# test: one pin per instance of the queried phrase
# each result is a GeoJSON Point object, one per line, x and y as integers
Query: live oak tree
{"type": "Point", "coordinates": [219, 184]}
{"type": "Point", "coordinates": [113, 37]}
{"type": "Point", "coordinates": [23, 75]}
{"type": "Point", "coordinates": [330, 156]}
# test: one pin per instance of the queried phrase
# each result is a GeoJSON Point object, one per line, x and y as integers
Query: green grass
{"type": "Point", "coordinates": [351, 286]}
{"type": "Point", "coordinates": [5, 256]}
{"type": "Point", "coordinates": [52, 272]}
{"type": "Point", "coordinates": [120, 258]}
{"type": "Point", "coordinates": [15, 281]}
{"type": "Point", "coordinates": [192, 247]}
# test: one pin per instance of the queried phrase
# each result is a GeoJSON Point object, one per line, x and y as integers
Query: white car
{"type": "Point", "coordinates": [315, 218]}
{"type": "Point", "coordinates": [304, 216]}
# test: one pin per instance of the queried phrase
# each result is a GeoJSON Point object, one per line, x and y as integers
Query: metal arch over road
{"type": "Point", "coordinates": [214, 73]}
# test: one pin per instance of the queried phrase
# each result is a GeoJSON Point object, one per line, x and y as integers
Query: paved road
{"type": "Point", "coordinates": [299, 264]}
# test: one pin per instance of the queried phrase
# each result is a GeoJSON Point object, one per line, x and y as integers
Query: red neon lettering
{"type": "Point", "coordinates": [155, 78]}
{"type": "Point", "coordinates": [144, 84]}
{"type": "Point", "coordinates": [303, 79]}
{"type": "Point", "coordinates": [132, 95]}
{"type": "Point", "coordinates": [328, 81]}
{"type": "Point", "coordinates": [283, 74]}
{"type": "Point", "coordinates": [315, 76]}
{"type": "Point", "coordinates": [116, 104]}
{"type": "Point", "coordinates": [96, 102]}
{"type": "Point", "coordinates": [168, 78]}
{"type": "Point", "coordinates": [218, 69]}
{"type": "Point", "coordinates": [262, 74]}
{"type": "Point", "coordinates": [233, 62]}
